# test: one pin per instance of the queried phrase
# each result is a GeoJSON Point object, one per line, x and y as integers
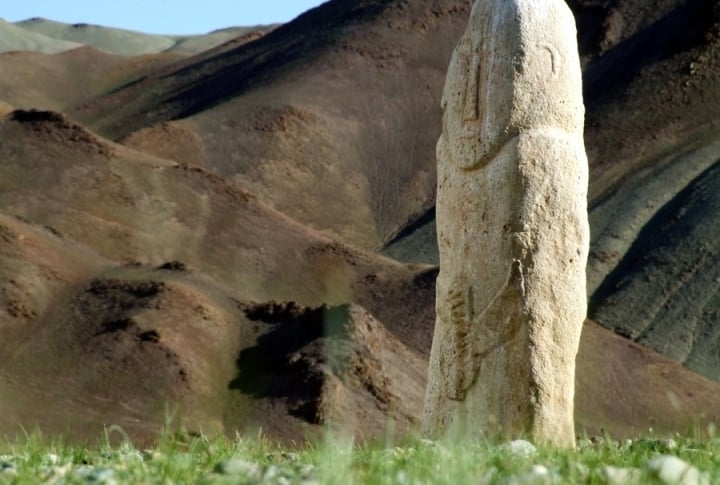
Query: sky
{"type": "Point", "coordinates": [159, 16]}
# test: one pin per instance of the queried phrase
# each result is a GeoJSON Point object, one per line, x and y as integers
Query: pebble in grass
{"type": "Point", "coordinates": [671, 470]}
{"type": "Point", "coordinates": [96, 475]}
{"type": "Point", "coordinates": [125, 456]}
{"type": "Point", "coordinates": [520, 449]}
{"type": "Point", "coordinates": [536, 475]}
{"type": "Point", "coordinates": [85, 474]}
{"type": "Point", "coordinates": [663, 469]}
{"type": "Point", "coordinates": [239, 467]}
{"type": "Point", "coordinates": [283, 475]}
{"type": "Point", "coordinates": [7, 466]}
{"type": "Point", "coordinates": [622, 476]}
{"type": "Point", "coordinates": [660, 445]}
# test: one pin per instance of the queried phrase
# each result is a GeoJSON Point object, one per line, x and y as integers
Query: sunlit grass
{"type": "Point", "coordinates": [179, 458]}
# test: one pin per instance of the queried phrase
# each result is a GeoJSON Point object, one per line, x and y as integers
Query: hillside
{"type": "Point", "coordinates": [93, 275]}
{"type": "Point", "coordinates": [14, 38]}
{"type": "Point", "coordinates": [113, 41]}
{"type": "Point", "coordinates": [206, 229]}
{"type": "Point", "coordinates": [130, 43]}
{"type": "Point", "coordinates": [55, 82]}
{"type": "Point", "coordinates": [284, 101]}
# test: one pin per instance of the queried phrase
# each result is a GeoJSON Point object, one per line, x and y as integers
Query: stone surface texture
{"type": "Point", "coordinates": [512, 228]}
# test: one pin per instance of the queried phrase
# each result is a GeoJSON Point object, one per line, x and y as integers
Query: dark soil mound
{"type": "Point", "coordinates": [56, 126]}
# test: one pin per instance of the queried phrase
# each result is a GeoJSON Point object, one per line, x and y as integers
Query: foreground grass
{"type": "Point", "coordinates": [202, 460]}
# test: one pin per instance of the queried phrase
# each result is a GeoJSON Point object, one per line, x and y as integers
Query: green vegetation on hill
{"type": "Point", "coordinates": [116, 41]}
{"type": "Point", "coordinates": [61, 36]}
{"type": "Point", "coordinates": [14, 38]}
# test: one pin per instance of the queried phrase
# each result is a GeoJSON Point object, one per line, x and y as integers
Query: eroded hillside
{"type": "Point", "coordinates": [202, 230]}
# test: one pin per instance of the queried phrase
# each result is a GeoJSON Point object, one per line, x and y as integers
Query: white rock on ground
{"type": "Point", "coordinates": [239, 467]}
{"type": "Point", "coordinates": [671, 470]}
{"type": "Point", "coordinates": [7, 468]}
{"type": "Point", "coordinates": [537, 475]}
{"type": "Point", "coordinates": [521, 449]}
{"type": "Point", "coordinates": [623, 476]}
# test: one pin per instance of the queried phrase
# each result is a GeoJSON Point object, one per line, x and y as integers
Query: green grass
{"type": "Point", "coordinates": [183, 459]}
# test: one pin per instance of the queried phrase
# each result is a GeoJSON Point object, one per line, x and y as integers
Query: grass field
{"type": "Point", "coordinates": [183, 459]}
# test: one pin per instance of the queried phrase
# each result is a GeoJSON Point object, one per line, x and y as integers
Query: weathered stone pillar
{"type": "Point", "coordinates": [512, 228]}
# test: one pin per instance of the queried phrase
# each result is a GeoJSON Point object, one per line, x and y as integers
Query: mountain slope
{"type": "Point", "coordinates": [118, 262]}
{"type": "Point", "coordinates": [220, 250]}
{"type": "Point", "coordinates": [131, 43]}
{"type": "Point", "coordinates": [14, 38]}
{"type": "Point", "coordinates": [276, 114]}
{"type": "Point", "coordinates": [114, 41]}
{"type": "Point", "coordinates": [664, 293]}
{"type": "Point", "coordinates": [626, 390]}
{"type": "Point", "coordinates": [128, 282]}
{"type": "Point", "coordinates": [36, 80]}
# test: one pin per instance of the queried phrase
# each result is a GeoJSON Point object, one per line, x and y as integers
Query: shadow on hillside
{"type": "Point", "coordinates": [293, 360]}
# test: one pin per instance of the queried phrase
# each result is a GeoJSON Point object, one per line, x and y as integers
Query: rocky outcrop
{"type": "Point", "coordinates": [512, 227]}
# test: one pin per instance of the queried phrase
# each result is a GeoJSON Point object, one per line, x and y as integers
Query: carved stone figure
{"type": "Point", "coordinates": [512, 228]}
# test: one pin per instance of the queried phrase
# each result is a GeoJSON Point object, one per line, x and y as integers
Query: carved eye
{"type": "Point", "coordinates": [549, 60]}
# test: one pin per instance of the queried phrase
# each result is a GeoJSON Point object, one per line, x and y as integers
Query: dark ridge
{"type": "Point", "coordinates": [278, 312]}
{"type": "Point", "coordinates": [149, 336]}
{"type": "Point", "coordinates": [60, 129]}
{"type": "Point", "coordinates": [589, 17]}
{"type": "Point", "coordinates": [173, 266]}
{"type": "Point", "coordinates": [685, 28]}
{"type": "Point", "coordinates": [664, 292]}
{"type": "Point", "coordinates": [406, 231]}
{"type": "Point", "coordinates": [209, 79]}
{"type": "Point", "coordinates": [120, 325]}
{"type": "Point", "coordinates": [652, 236]}
{"type": "Point", "coordinates": [316, 29]}
{"type": "Point", "coordinates": [425, 280]}
{"type": "Point", "coordinates": [135, 289]}
{"type": "Point", "coordinates": [36, 115]}
{"type": "Point", "coordinates": [248, 29]}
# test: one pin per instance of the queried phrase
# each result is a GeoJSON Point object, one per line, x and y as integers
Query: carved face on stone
{"type": "Point", "coordinates": [500, 83]}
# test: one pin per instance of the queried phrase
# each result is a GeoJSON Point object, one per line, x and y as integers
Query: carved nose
{"type": "Point", "coordinates": [471, 105]}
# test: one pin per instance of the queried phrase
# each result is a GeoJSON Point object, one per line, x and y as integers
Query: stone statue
{"type": "Point", "coordinates": [512, 228]}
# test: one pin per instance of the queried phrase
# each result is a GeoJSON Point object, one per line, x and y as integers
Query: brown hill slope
{"type": "Point", "coordinates": [341, 104]}
{"type": "Point", "coordinates": [643, 69]}
{"type": "Point", "coordinates": [150, 280]}
{"type": "Point", "coordinates": [197, 295]}
{"type": "Point", "coordinates": [130, 206]}
{"type": "Point", "coordinates": [34, 80]}
{"type": "Point", "coordinates": [217, 250]}
{"type": "Point", "coordinates": [627, 390]}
